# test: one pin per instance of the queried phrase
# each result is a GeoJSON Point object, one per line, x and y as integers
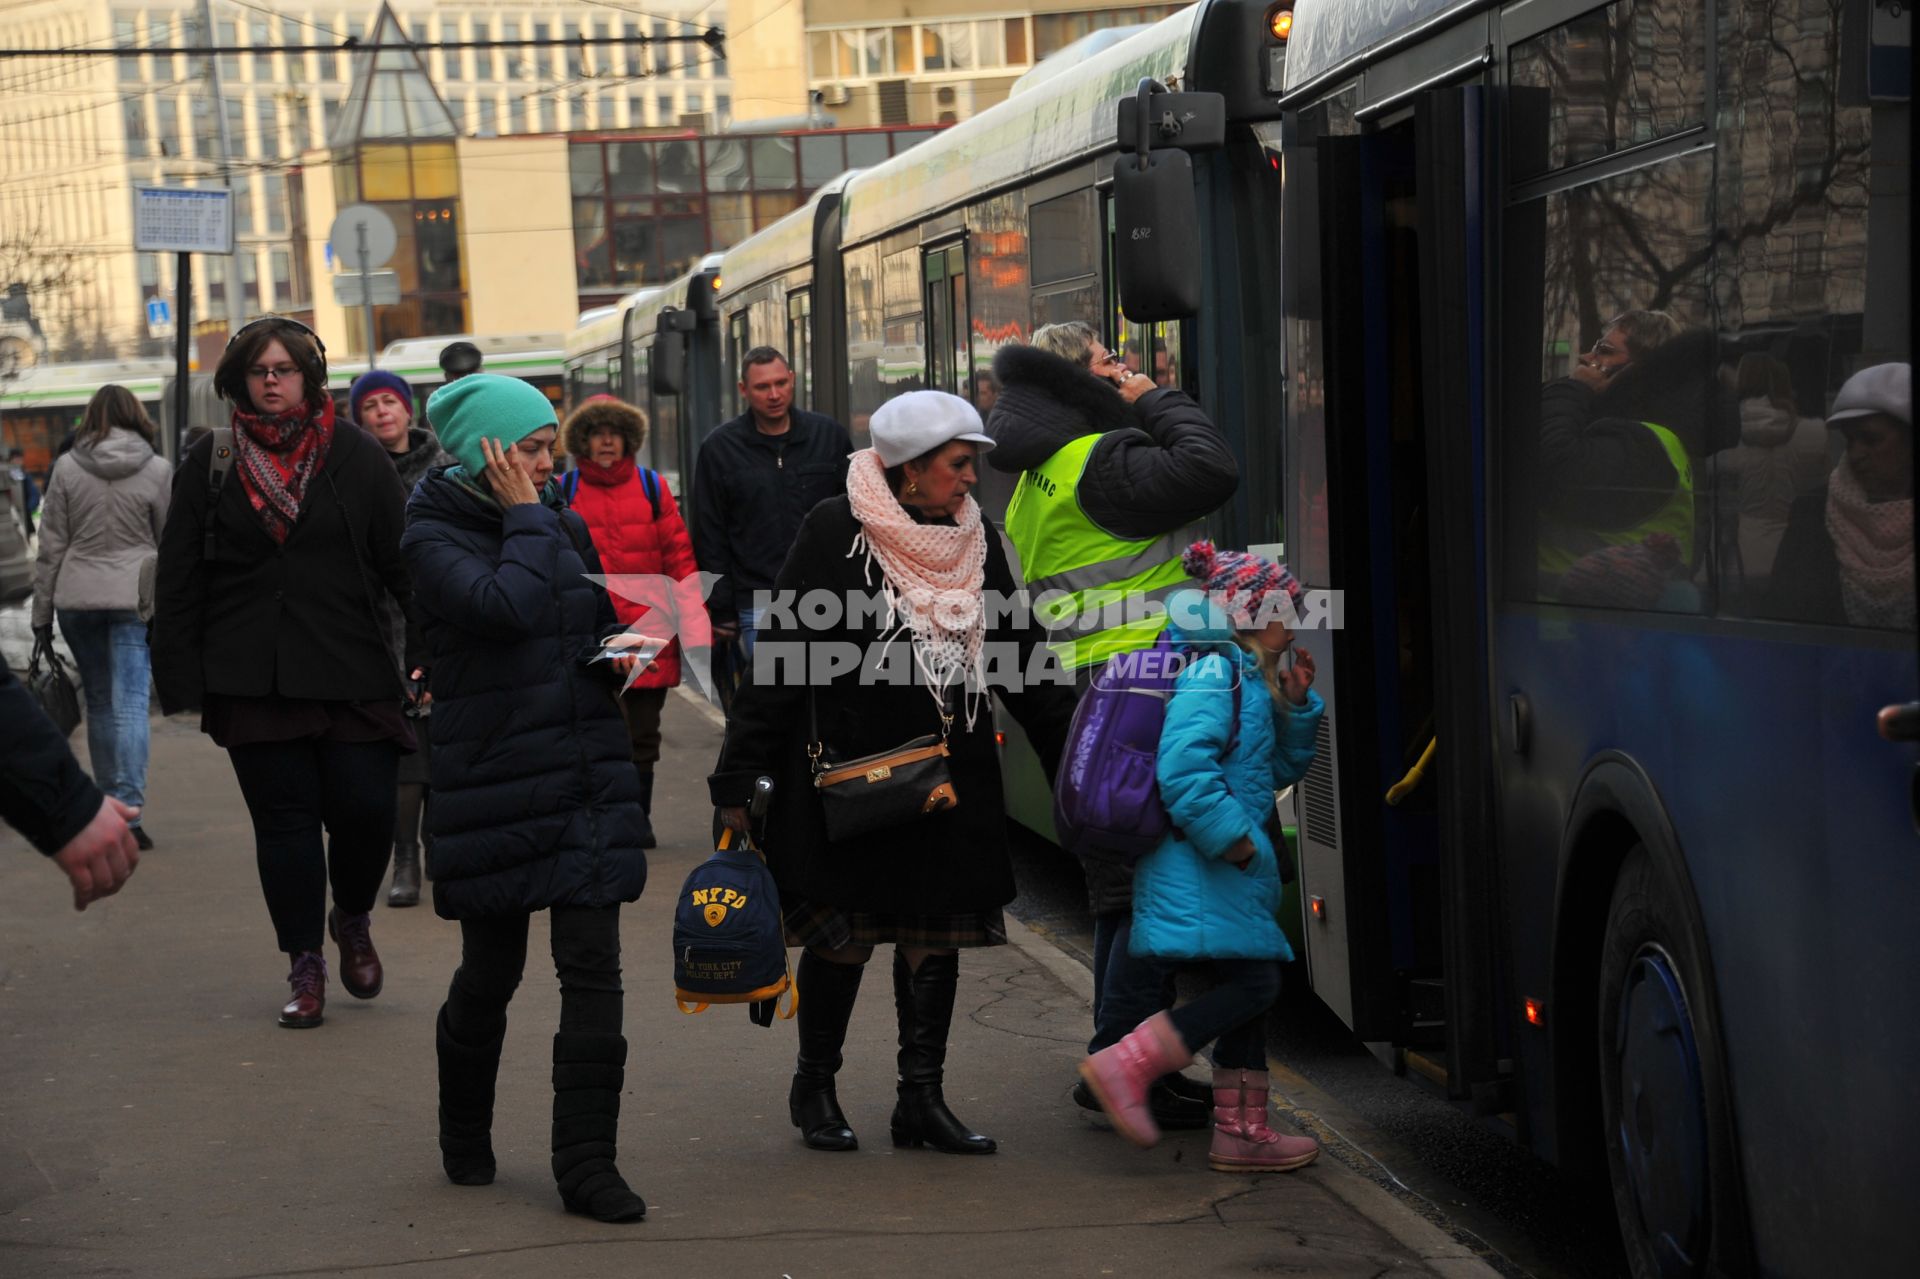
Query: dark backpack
{"type": "Point", "coordinates": [1106, 799]}
{"type": "Point", "coordinates": [729, 943]}
{"type": "Point", "coordinates": [649, 481]}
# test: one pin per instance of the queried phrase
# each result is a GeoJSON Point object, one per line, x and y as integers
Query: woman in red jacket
{"type": "Point", "coordinates": [637, 529]}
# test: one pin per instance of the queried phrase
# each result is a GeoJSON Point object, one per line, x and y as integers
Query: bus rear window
{"type": "Point", "coordinates": [1630, 73]}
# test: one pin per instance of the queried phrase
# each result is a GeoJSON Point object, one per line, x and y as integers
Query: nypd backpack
{"type": "Point", "coordinates": [729, 945]}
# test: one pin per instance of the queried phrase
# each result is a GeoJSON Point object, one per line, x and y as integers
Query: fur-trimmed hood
{"type": "Point", "coordinates": [603, 411]}
{"type": "Point", "coordinates": [1045, 401]}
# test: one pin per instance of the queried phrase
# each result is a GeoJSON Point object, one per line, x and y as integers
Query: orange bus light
{"type": "Point", "coordinates": [1536, 1013]}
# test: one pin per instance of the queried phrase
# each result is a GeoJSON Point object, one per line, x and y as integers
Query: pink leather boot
{"type": "Point", "coordinates": [1120, 1076]}
{"type": "Point", "coordinates": [1242, 1142]}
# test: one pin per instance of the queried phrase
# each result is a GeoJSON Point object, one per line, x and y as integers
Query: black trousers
{"type": "Point", "coordinates": [297, 790]}
{"type": "Point", "coordinates": [493, 955]}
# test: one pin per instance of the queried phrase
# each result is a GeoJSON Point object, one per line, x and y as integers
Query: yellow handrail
{"type": "Point", "coordinates": [1406, 785]}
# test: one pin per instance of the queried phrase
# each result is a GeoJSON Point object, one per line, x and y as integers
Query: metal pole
{"type": "Point", "coordinates": [366, 291]}
{"type": "Point", "coordinates": [182, 344]}
{"type": "Point", "coordinates": [226, 151]}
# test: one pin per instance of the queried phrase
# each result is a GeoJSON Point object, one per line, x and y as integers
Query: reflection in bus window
{"type": "Point", "coordinates": [1611, 79]}
{"type": "Point", "coordinates": [1608, 309]}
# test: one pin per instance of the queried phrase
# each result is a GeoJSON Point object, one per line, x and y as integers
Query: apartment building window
{"type": "Point", "coordinates": [570, 32]}
{"type": "Point", "coordinates": [249, 284]}
{"type": "Point", "coordinates": [267, 113]}
{"type": "Point", "coordinates": [281, 264]}
{"type": "Point", "coordinates": [302, 126]}
{"type": "Point", "coordinates": [534, 55]}
{"type": "Point", "coordinates": [665, 104]}
{"type": "Point", "coordinates": [660, 48]}
{"type": "Point", "coordinates": [291, 35]}
{"type": "Point", "coordinates": [229, 37]}
{"type": "Point", "coordinates": [243, 206]}
{"type": "Point", "coordinates": [134, 112]}
{"type": "Point", "coordinates": [487, 122]}
{"type": "Point", "coordinates": [454, 60]}
{"type": "Point", "coordinates": [276, 197]}
{"type": "Point", "coordinates": [236, 112]}
{"type": "Point", "coordinates": [125, 37]}
{"type": "Point", "coordinates": [260, 38]}
{"type": "Point", "coordinates": [216, 272]}
{"type": "Point", "coordinates": [722, 109]}
{"type": "Point", "coordinates": [167, 111]}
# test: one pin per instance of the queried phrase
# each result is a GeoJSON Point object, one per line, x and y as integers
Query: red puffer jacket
{"type": "Point", "coordinates": [619, 515]}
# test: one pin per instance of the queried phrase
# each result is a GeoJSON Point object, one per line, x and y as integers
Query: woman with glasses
{"type": "Point", "coordinates": [1117, 474]}
{"type": "Point", "coordinates": [281, 549]}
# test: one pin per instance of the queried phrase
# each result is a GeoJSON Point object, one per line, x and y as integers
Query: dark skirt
{"type": "Point", "coordinates": [830, 928]}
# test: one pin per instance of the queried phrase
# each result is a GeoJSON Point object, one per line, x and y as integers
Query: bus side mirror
{"type": "Point", "coordinates": [668, 356]}
{"type": "Point", "coordinates": [1156, 214]}
{"type": "Point", "coordinates": [1156, 250]}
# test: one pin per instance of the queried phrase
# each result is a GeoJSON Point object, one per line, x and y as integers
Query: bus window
{"type": "Point", "coordinates": [800, 345]}
{"type": "Point", "coordinates": [949, 354]}
{"type": "Point", "coordinates": [738, 344]}
{"type": "Point", "coordinates": [1065, 268]}
{"type": "Point", "coordinates": [1612, 401]}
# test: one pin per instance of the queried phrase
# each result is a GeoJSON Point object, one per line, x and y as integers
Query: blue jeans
{"type": "Point", "coordinates": [1233, 1014]}
{"type": "Point", "coordinates": [749, 632]}
{"type": "Point", "coordinates": [116, 674]}
{"type": "Point", "coordinates": [1127, 989]}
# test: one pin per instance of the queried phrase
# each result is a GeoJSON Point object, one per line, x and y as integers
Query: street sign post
{"type": "Point", "coordinates": [159, 318]}
{"type": "Point", "coordinates": [182, 221]}
{"type": "Point", "coordinates": [365, 237]}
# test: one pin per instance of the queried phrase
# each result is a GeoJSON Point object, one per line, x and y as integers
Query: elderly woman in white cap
{"type": "Point", "coordinates": [909, 536]}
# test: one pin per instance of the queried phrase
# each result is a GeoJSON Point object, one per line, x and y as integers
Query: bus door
{"type": "Point", "coordinates": [1390, 881]}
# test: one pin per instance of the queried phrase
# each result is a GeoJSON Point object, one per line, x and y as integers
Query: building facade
{"type": "Point", "coordinates": [76, 134]}
{"type": "Point", "coordinates": [903, 62]}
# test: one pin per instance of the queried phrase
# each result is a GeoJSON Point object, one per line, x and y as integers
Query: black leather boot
{"type": "Point", "coordinates": [826, 1003]}
{"type": "Point", "coordinates": [467, 1075]}
{"type": "Point", "coordinates": [923, 999]}
{"type": "Point", "coordinates": [588, 1072]}
{"type": "Point", "coordinates": [406, 876]}
{"type": "Point", "coordinates": [646, 807]}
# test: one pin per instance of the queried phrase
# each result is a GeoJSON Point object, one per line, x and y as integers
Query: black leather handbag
{"type": "Point", "coordinates": [889, 788]}
{"type": "Point", "coordinates": [53, 688]}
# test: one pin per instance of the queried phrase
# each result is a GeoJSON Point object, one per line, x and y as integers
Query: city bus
{"type": "Point", "coordinates": [1654, 900]}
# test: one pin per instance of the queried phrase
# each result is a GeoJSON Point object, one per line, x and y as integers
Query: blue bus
{"type": "Point", "coordinates": [1569, 291]}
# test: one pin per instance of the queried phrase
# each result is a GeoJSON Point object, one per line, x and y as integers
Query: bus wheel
{"type": "Point", "coordinates": [1654, 1087]}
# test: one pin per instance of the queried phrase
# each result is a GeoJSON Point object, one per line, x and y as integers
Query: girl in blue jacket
{"type": "Point", "coordinates": [1238, 728]}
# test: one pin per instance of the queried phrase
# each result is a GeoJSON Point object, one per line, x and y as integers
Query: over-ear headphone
{"type": "Point", "coordinates": [287, 320]}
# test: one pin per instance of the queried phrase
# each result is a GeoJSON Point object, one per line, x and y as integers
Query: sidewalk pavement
{"type": "Point", "coordinates": [156, 1121]}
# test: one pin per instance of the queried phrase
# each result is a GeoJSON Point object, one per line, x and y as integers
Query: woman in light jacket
{"type": "Point", "coordinates": [1237, 729]}
{"type": "Point", "coordinates": [105, 506]}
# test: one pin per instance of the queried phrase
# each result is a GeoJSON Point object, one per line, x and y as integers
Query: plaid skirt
{"type": "Point", "coordinates": [830, 928]}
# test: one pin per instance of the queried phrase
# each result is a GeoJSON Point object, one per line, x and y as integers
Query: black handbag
{"type": "Point", "coordinates": [889, 788]}
{"type": "Point", "coordinates": [53, 686]}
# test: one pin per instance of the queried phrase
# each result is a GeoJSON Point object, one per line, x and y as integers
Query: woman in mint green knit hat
{"type": "Point", "coordinates": [535, 805]}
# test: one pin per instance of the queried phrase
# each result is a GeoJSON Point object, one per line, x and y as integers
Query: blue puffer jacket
{"type": "Point", "coordinates": [1188, 901]}
{"type": "Point", "coordinates": [534, 801]}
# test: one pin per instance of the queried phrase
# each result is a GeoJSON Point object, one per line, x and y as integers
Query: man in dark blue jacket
{"type": "Point", "coordinates": [47, 797]}
{"type": "Point", "coordinates": [757, 478]}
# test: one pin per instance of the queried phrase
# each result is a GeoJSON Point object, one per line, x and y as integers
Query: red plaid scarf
{"type": "Point", "coordinates": [278, 457]}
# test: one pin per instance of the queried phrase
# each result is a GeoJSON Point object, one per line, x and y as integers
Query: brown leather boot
{"type": "Point", "coordinates": [309, 982]}
{"type": "Point", "coordinates": [360, 970]}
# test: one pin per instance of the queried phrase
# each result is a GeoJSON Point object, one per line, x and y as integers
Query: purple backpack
{"type": "Point", "coordinates": [1106, 800]}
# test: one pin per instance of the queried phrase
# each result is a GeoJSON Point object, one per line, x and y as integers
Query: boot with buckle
{"type": "Point", "coordinates": [1242, 1142]}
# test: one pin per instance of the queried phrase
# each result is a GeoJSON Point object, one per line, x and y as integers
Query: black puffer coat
{"type": "Point", "coordinates": [1162, 466]}
{"type": "Point", "coordinates": [946, 863]}
{"type": "Point", "coordinates": [535, 802]}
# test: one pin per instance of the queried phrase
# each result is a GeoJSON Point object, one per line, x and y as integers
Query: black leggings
{"type": "Point", "coordinates": [410, 814]}
{"type": "Point", "coordinates": [493, 955]}
{"type": "Point", "coordinates": [295, 791]}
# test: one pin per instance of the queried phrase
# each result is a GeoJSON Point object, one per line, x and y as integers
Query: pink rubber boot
{"type": "Point", "coordinates": [1242, 1142]}
{"type": "Point", "coordinates": [1120, 1076]}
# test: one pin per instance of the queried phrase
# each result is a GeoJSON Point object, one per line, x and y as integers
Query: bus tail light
{"type": "Point", "coordinates": [1536, 1012]}
{"type": "Point", "coordinates": [1280, 21]}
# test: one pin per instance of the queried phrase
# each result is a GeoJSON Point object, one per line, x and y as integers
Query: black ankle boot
{"type": "Point", "coordinates": [825, 1007]}
{"type": "Point", "coordinates": [923, 999]}
{"type": "Point", "coordinates": [588, 1072]}
{"type": "Point", "coordinates": [467, 1075]}
{"type": "Point", "coordinates": [646, 808]}
{"type": "Point", "coordinates": [406, 876]}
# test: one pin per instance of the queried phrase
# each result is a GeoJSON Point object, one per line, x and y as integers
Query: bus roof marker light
{"type": "Point", "coordinates": [1536, 1012]}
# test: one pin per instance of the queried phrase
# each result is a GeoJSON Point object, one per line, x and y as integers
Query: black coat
{"type": "Point", "coordinates": [44, 793]}
{"type": "Point", "coordinates": [304, 618]}
{"type": "Point", "coordinates": [947, 863]}
{"type": "Point", "coordinates": [535, 802]}
{"type": "Point", "coordinates": [750, 492]}
{"type": "Point", "coordinates": [1162, 466]}
{"type": "Point", "coordinates": [1599, 465]}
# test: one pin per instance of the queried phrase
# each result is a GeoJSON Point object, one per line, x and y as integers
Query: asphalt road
{"type": "Point", "coordinates": [1462, 1172]}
